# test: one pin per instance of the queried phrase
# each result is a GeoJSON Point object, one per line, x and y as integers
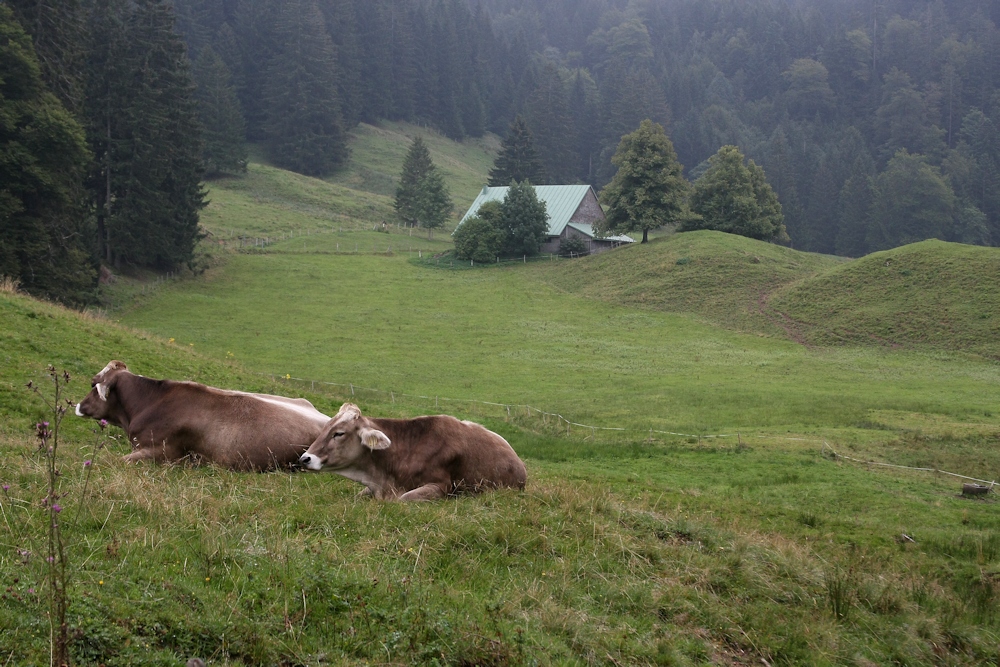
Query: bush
{"type": "Point", "coordinates": [574, 246]}
{"type": "Point", "coordinates": [478, 239]}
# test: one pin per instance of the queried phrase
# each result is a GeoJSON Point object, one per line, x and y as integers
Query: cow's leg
{"type": "Point", "coordinates": [426, 492]}
{"type": "Point", "coordinates": [157, 453]}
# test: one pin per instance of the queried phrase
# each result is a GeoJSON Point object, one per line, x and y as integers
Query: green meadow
{"type": "Point", "coordinates": [641, 538]}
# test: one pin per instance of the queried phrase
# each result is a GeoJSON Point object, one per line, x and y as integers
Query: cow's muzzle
{"type": "Point", "coordinates": [310, 462]}
{"type": "Point", "coordinates": [79, 412]}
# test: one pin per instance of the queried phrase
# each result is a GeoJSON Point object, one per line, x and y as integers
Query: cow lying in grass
{"type": "Point", "coordinates": [170, 421]}
{"type": "Point", "coordinates": [414, 459]}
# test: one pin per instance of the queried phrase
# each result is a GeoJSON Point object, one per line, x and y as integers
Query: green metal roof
{"type": "Point", "coordinates": [561, 202]}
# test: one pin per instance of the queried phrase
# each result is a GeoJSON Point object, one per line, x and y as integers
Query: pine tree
{"type": "Point", "coordinates": [736, 198]}
{"type": "Point", "coordinates": [524, 221]}
{"type": "Point", "coordinates": [219, 110]}
{"type": "Point", "coordinates": [854, 209]}
{"type": "Point", "coordinates": [648, 190]}
{"type": "Point", "coordinates": [552, 125]}
{"type": "Point", "coordinates": [42, 161]}
{"type": "Point", "coordinates": [304, 128]}
{"type": "Point", "coordinates": [145, 134]}
{"type": "Point", "coordinates": [517, 160]}
{"type": "Point", "coordinates": [422, 197]}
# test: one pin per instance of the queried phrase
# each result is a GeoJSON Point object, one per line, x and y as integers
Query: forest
{"type": "Point", "coordinates": [875, 121]}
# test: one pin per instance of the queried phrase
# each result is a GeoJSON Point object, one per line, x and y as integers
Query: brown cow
{"type": "Point", "coordinates": [414, 459]}
{"type": "Point", "coordinates": [168, 421]}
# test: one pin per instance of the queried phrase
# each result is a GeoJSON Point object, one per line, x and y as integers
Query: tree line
{"type": "Point", "coordinates": [874, 120]}
{"type": "Point", "coordinates": [841, 103]}
{"type": "Point", "coordinates": [100, 143]}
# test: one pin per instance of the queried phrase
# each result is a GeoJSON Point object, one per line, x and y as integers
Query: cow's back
{"type": "Point", "coordinates": [470, 455]}
{"type": "Point", "coordinates": [234, 429]}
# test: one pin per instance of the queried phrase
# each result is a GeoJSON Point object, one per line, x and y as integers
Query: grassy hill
{"type": "Point", "coordinates": [929, 295]}
{"type": "Point", "coordinates": [632, 546]}
{"type": "Point", "coordinates": [722, 277]}
{"type": "Point", "coordinates": [663, 551]}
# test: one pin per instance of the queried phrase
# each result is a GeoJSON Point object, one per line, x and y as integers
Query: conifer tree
{"type": "Point", "coordinates": [524, 221]}
{"type": "Point", "coordinates": [649, 189]}
{"type": "Point", "coordinates": [144, 132]}
{"type": "Point", "coordinates": [219, 110]}
{"type": "Point", "coordinates": [304, 128]}
{"type": "Point", "coordinates": [552, 125]}
{"type": "Point", "coordinates": [517, 160]}
{"type": "Point", "coordinates": [734, 197]}
{"type": "Point", "coordinates": [422, 197]}
{"type": "Point", "coordinates": [42, 160]}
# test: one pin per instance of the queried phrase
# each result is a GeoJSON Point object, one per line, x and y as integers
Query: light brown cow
{"type": "Point", "coordinates": [414, 459]}
{"type": "Point", "coordinates": [169, 421]}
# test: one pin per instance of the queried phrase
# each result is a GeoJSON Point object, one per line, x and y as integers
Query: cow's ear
{"type": "Point", "coordinates": [104, 387]}
{"type": "Point", "coordinates": [374, 439]}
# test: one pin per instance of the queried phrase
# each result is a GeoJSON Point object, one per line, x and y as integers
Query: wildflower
{"type": "Point", "coordinates": [56, 508]}
{"type": "Point", "coordinates": [87, 463]}
{"type": "Point", "coordinates": [103, 423]}
{"type": "Point", "coordinates": [171, 340]}
{"type": "Point", "coordinates": [208, 578]}
{"type": "Point", "coordinates": [100, 583]}
{"type": "Point", "coordinates": [31, 591]}
{"type": "Point", "coordinates": [288, 376]}
{"type": "Point", "coordinates": [6, 487]}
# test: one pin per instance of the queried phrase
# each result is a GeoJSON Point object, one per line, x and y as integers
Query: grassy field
{"type": "Point", "coordinates": [669, 552]}
{"type": "Point", "coordinates": [634, 546]}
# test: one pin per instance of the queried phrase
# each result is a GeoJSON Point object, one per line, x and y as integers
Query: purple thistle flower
{"type": "Point", "coordinates": [31, 591]}
{"type": "Point", "coordinates": [87, 463]}
{"type": "Point", "coordinates": [103, 423]}
{"type": "Point", "coordinates": [6, 487]}
{"type": "Point", "coordinates": [56, 507]}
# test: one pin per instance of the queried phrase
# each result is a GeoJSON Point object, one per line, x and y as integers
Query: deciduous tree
{"type": "Point", "coordinates": [649, 189]}
{"type": "Point", "coordinates": [735, 197]}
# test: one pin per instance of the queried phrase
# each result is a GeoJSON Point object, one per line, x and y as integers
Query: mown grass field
{"type": "Point", "coordinates": [627, 547]}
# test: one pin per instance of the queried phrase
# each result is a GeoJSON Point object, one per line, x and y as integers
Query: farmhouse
{"type": "Point", "coordinates": [572, 209]}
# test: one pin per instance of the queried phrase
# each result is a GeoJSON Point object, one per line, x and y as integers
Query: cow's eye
{"type": "Point", "coordinates": [338, 434]}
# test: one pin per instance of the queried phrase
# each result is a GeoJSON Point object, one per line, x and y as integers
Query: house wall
{"type": "Point", "coordinates": [551, 246]}
{"type": "Point", "coordinates": [589, 211]}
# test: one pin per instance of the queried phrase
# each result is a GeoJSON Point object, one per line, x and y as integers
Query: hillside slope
{"type": "Point", "coordinates": [267, 201]}
{"type": "Point", "coordinates": [721, 277]}
{"type": "Point", "coordinates": [34, 334]}
{"type": "Point", "coordinates": [930, 294]}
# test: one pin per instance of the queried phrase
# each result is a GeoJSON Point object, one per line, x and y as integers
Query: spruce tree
{"type": "Point", "coordinates": [304, 128]}
{"type": "Point", "coordinates": [517, 160]}
{"type": "Point", "coordinates": [649, 189]}
{"type": "Point", "coordinates": [422, 197]}
{"type": "Point", "coordinates": [145, 134]}
{"type": "Point", "coordinates": [524, 220]}
{"type": "Point", "coordinates": [225, 148]}
{"type": "Point", "coordinates": [42, 161]}
{"type": "Point", "coordinates": [552, 125]}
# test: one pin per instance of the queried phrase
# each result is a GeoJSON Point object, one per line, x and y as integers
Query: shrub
{"type": "Point", "coordinates": [480, 238]}
{"type": "Point", "coordinates": [574, 246]}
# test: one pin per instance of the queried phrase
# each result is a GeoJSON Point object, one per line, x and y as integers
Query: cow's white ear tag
{"type": "Point", "coordinates": [102, 391]}
{"type": "Point", "coordinates": [373, 439]}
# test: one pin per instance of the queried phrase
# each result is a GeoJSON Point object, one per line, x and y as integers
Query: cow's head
{"type": "Point", "coordinates": [102, 401]}
{"type": "Point", "coordinates": [343, 440]}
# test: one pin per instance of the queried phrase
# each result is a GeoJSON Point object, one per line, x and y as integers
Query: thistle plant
{"type": "Point", "coordinates": [47, 434]}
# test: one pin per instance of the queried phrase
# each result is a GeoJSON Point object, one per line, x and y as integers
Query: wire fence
{"type": "Point", "coordinates": [510, 412]}
{"type": "Point", "coordinates": [505, 410]}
